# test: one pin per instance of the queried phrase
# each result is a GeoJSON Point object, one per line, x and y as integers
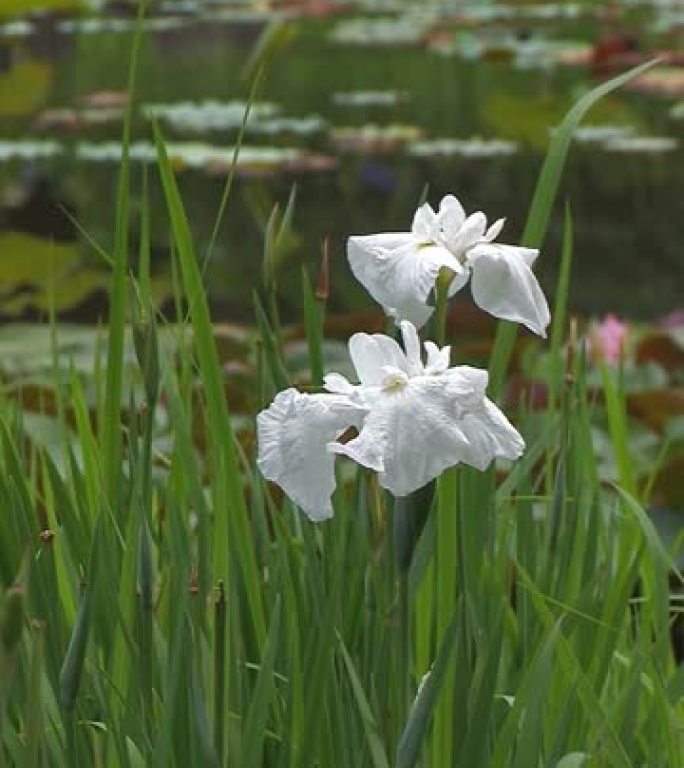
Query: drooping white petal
{"type": "Point", "coordinates": [458, 281]}
{"type": "Point", "coordinates": [337, 383]}
{"type": "Point", "coordinates": [490, 435]}
{"type": "Point", "coordinates": [368, 448]}
{"type": "Point", "coordinates": [293, 434]}
{"type": "Point", "coordinates": [399, 272]}
{"type": "Point", "coordinates": [504, 285]}
{"type": "Point", "coordinates": [372, 354]}
{"type": "Point", "coordinates": [417, 312]}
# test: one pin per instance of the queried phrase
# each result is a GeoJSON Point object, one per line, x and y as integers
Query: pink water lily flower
{"type": "Point", "coordinates": [400, 270]}
{"type": "Point", "coordinates": [414, 419]}
{"type": "Point", "coordinates": [608, 339]}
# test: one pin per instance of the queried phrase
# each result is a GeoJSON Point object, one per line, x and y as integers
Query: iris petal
{"type": "Point", "coordinates": [412, 435]}
{"type": "Point", "coordinates": [293, 433]}
{"type": "Point", "coordinates": [399, 272]}
{"type": "Point", "coordinates": [504, 285]}
{"type": "Point", "coordinates": [371, 355]}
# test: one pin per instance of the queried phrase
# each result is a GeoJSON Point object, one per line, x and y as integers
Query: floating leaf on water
{"type": "Point", "coordinates": [110, 151]}
{"type": "Point", "coordinates": [18, 7]}
{"type": "Point", "coordinates": [246, 16]}
{"type": "Point", "coordinates": [69, 119]}
{"type": "Point", "coordinates": [31, 260]}
{"type": "Point", "coordinates": [369, 98]}
{"type": "Point", "coordinates": [526, 118]}
{"type": "Point", "coordinates": [24, 88]}
{"type": "Point", "coordinates": [543, 54]}
{"type": "Point", "coordinates": [662, 348]}
{"type": "Point", "coordinates": [210, 115]}
{"type": "Point", "coordinates": [180, 6]}
{"type": "Point", "coordinates": [183, 155]}
{"type": "Point", "coordinates": [298, 126]}
{"type": "Point", "coordinates": [96, 26]}
{"type": "Point", "coordinates": [467, 45]}
{"type": "Point", "coordinates": [35, 272]}
{"type": "Point", "coordinates": [104, 99]}
{"type": "Point", "coordinates": [405, 30]}
{"type": "Point", "coordinates": [662, 81]}
{"type": "Point", "coordinates": [657, 407]}
{"type": "Point", "coordinates": [14, 29]}
{"type": "Point", "coordinates": [375, 138]}
{"type": "Point", "coordinates": [641, 144]}
{"type": "Point", "coordinates": [590, 134]}
{"type": "Point", "coordinates": [473, 147]}
{"type": "Point", "coordinates": [28, 150]}
{"type": "Point", "coordinates": [677, 112]}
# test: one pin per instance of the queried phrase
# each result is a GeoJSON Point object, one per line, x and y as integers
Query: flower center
{"type": "Point", "coordinates": [394, 381]}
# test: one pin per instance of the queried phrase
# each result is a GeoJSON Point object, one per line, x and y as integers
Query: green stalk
{"type": "Point", "coordinates": [446, 562]}
{"type": "Point", "coordinates": [404, 649]}
{"type": "Point", "coordinates": [441, 303]}
{"type": "Point", "coordinates": [219, 671]}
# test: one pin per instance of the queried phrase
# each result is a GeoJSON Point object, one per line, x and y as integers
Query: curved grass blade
{"type": "Point", "coordinates": [542, 203]}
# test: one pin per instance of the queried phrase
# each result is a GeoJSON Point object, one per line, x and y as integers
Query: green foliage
{"type": "Point", "coordinates": [161, 605]}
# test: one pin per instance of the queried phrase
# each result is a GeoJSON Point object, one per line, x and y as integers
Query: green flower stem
{"type": "Point", "coordinates": [442, 299]}
{"type": "Point", "coordinates": [404, 655]}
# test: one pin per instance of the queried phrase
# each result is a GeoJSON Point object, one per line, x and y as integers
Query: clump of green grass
{"type": "Point", "coordinates": [160, 606]}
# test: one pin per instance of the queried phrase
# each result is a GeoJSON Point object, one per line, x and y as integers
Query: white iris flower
{"type": "Point", "coordinates": [414, 420]}
{"type": "Point", "coordinates": [399, 270]}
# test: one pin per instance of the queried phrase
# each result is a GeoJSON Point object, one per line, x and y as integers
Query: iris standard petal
{"type": "Point", "coordinates": [504, 285]}
{"type": "Point", "coordinates": [293, 434]}
{"type": "Point", "coordinates": [437, 359]}
{"type": "Point", "coordinates": [494, 231]}
{"type": "Point", "coordinates": [412, 347]}
{"type": "Point", "coordinates": [451, 217]}
{"type": "Point", "coordinates": [472, 232]}
{"type": "Point", "coordinates": [399, 273]}
{"type": "Point", "coordinates": [372, 354]}
{"type": "Point", "coordinates": [424, 225]}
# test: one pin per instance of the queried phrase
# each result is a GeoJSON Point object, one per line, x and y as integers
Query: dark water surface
{"type": "Point", "coordinates": [628, 206]}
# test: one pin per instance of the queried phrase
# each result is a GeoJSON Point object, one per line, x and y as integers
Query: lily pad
{"type": "Point", "coordinates": [197, 117]}
{"type": "Point", "coordinates": [657, 407]}
{"type": "Point", "coordinates": [369, 98]}
{"type": "Point", "coordinates": [375, 138]}
{"type": "Point", "coordinates": [24, 89]}
{"type": "Point", "coordinates": [473, 147]}
{"type": "Point", "coordinates": [662, 81]}
{"type": "Point", "coordinates": [652, 145]}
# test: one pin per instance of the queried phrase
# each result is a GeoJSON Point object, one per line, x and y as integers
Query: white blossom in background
{"type": "Point", "coordinates": [414, 419]}
{"type": "Point", "coordinates": [400, 270]}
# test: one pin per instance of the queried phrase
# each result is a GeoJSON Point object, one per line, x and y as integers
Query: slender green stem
{"type": "Point", "coordinates": [404, 655]}
{"type": "Point", "coordinates": [442, 299]}
{"type": "Point", "coordinates": [219, 671]}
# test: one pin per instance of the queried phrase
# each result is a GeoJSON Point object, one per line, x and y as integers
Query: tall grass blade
{"type": "Point", "coordinates": [414, 732]}
{"type": "Point", "coordinates": [542, 203]}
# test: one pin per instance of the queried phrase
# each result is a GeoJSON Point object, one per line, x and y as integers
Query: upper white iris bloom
{"type": "Point", "coordinates": [414, 420]}
{"type": "Point", "coordinates": [399, 270]}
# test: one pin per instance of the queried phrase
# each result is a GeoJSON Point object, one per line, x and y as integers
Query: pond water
{"type": "Point", "coordinates": [362, 111]}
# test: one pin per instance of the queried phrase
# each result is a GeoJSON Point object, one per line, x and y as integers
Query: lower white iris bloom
{"type": "Point", "coordinates": [400, 270]}
{"type": "Point", "coordinates": [414, 420]}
